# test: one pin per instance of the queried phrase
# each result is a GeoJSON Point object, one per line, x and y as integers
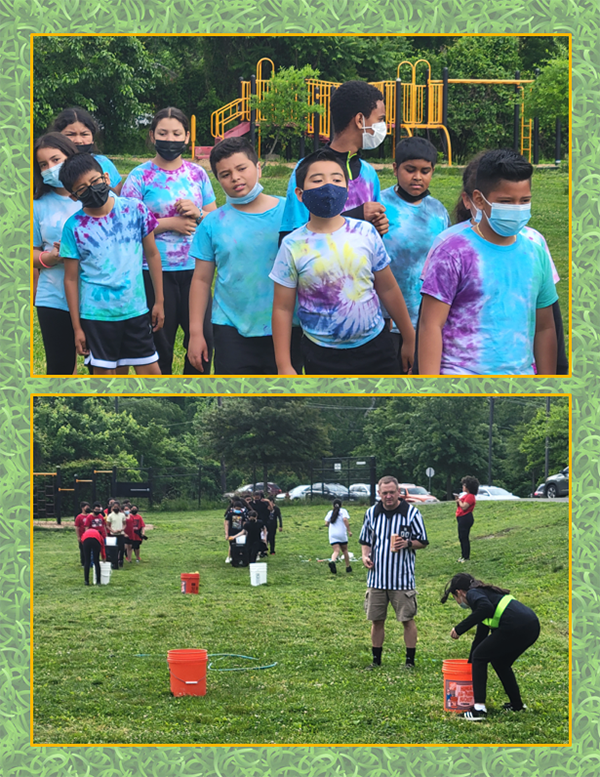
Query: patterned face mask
{"type": "Point", "coordinates": [325, 201]}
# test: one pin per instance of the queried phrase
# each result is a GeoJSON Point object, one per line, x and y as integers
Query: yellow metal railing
{"type": "Point", "coordinates": [233, 111]}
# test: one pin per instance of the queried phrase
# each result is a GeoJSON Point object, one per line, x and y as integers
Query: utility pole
{"type": "Point", "coordinates": [490, 442]}
{"type": "Point", "coordinates": [547, 448]}
{"type": "Point", "coordinates": [223, 470]}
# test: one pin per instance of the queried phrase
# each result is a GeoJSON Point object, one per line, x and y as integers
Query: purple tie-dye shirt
{"type": "Point", "coordinates": [493, 293]}
{"type": "Point", "coordinates": [160, 189]}
{"type": "Point", "coordinates": [338, 306]}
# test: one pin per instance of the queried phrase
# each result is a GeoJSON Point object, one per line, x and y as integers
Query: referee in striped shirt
{"type": "Point", "coordinates": [391, 575]}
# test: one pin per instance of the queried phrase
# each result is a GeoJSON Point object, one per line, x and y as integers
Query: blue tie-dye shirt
{"type": "Point", "coordinates": [243, 247]}
{"type": "Point", "coordinates": [160, 189]}
{"type": "Point", "coordinates": [338, 306]}
{"type": "Point", "coordinates": [109, 251]}
{"type": "Point", "coordinates": [50, 213]}
{"type": "Point", "coordinates": [413, 228]}
{"type": "Point", "coordinates": [364, 188]}
{"type": "Point", "coordinates": [494, 293]}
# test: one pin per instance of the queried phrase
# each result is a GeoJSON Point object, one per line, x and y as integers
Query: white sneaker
{"type": "Point", "coordinates": [228, 560]}
{"type": "Point", "coordinates": [461, 560]}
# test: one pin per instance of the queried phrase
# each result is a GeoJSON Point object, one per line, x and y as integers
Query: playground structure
{"type": "Point", "coordinates": [409, 106]}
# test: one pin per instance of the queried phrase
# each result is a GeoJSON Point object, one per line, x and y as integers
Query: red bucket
{"type": "Point", "coordinates": [458, 685]}
{"type": "Point", "coordinates": [190, 584]}
{"type": "Point", "coordinates": [188, 672]}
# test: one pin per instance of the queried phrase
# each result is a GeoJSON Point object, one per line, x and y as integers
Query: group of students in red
{"type": "Point", "coordinates": [94, 524]}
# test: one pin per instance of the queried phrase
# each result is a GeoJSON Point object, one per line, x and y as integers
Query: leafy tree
{"type": "Point", "coordinates": [284, 107]}
{"type": "Point", "coordinates": [556, 428]}
{"type": "Point", "coordinates": [549, 98]}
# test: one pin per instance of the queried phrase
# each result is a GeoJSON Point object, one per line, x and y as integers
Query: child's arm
{"type": "Point", "coordinates": [544, 342]}
{"type": "Point", "coordinates": [72, 295]}
{"type": "Point", "coordinates": [389, 293]}
{"type": "Point", "coordinates": [154, 265]}
{"type": "Point", "coordinates": [284, 300]}
{"type": "Point", "coordinates": [199, 295]}
{"type": "Point", "coordinates": [433, 317]}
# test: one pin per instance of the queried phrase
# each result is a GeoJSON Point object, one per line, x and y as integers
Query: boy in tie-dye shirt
{"type": "Point", "coordinates": [415, 217]}
{"type": "Point", "coordinates": [488, 291]}
{"type": "Point", "coordinates": [339, 270]}
{"type": "Point", "coordinates": [102, 246]}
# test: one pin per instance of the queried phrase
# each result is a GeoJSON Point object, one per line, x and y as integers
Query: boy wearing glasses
{"type": "Point", "coordinates": [103, 246]}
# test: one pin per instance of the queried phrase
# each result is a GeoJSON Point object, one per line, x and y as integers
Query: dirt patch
{"type": "Point", "coordinates": [500, 533]}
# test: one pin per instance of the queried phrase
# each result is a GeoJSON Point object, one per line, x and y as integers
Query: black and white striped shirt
{"type": "Point", "coordinates": [392, 571]}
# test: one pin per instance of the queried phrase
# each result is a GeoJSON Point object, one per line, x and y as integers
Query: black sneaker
{"type": "Point", "coordinates": [332, 567]}
{"type": "Point", "coordinates": [474, 715]}
{"type": "Point", "coordinates": [508, 707]}
{"type": "Point", "coordinates": [348, 569]}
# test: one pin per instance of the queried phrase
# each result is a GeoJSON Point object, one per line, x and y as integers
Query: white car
{"type": "Point", "coordinates": [493, 492]}
{"type": "Point", "coordinates": [362, 491]}
{"type": "Point", "coordinates": [298, 492]}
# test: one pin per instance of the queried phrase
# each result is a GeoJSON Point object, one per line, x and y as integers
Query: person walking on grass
{"type": "Point", "coordinates": [505, 629]}
{"type": "Point", "coordinates": [465, 505]}
{"type": "Point", "coordinates": [392, 531]}
{"type": "Point", "coordinates": [93, 546]}
{"type": "Point", "coordinates": [338, 521]}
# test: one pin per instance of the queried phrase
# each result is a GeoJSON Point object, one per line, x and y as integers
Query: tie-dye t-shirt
{"type": "Point", "coordinates": [50, 213]}
{"type": "Point", "coordinates": [527, 232]}
{"type": "Point", "coordinates": [243, 247]}
{"type": "Point", "coordinates": [413, 228]}
{"type": "Point", "coordinates": [160, 189]}
{"type": "Point", "coordinates": [333, 272]}
{"type": "Point", "coordinates": [493, 292]}
{"type": "Point", "coordinates": [108, 166]}
{"type": "Point", "coordinates": [364, 188]}
{"type": "Point", "coordinates": [109, 251]}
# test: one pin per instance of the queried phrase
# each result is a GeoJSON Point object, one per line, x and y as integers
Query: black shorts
{"type": "Point", "coordinates": [239, 355]}
{"type": "Point", "coordinates": [135, 544]}
{"type": "Point", "coordinates": [376, 357]}
{"type": "Point", "coordinates": [119, 343]}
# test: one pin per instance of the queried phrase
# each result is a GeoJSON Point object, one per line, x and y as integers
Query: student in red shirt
{"type": "Point", "coordinates": [80, 525]}
{"type": "Point", "coordinates": [465, 505]}
{"type": "Point", "coordinates": [93, 543]}
{"type": "Point", "coordinates": [96, 520]}
{"type": "Point", "coordinates": [134, 533]}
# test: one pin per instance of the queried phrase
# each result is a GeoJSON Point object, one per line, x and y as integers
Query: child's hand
{"type": "Point", "coordinates": [286, 369]}
{"type": "Point", "coordinates": [184, 225]}
{"type": "Point", "coordinates": [187, 208]}
{"type": "Point", "coordinates": [197, 351]}
{"type": "Point", "coordinates": [407, 352]}
{"type": "Point", "coordinates": [158, 316]}
{"type": "Point", "coordinates": [375, 213]}
{"type": "Point", "coordinates": [80, 343]}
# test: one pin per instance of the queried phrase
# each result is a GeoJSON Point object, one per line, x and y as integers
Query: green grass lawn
{"type": "Point", "coordinates": [91, 685]}
{"type": "Point", "coordinates": [550, 217]}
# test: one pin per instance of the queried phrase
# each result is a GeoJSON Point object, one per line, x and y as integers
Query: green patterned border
{"type": "Point", "coordinates": [20, 19]}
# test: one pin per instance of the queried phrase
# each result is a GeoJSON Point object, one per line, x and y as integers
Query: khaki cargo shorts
{"type": "Point", "coordinates": [403, 602]}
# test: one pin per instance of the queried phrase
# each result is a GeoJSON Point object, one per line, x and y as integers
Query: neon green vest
{"type": "Point", "coordinates": [494, 621]}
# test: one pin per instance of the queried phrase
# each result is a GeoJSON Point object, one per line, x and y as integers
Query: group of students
{"type": "Point", "coordinates": [94, 524]}
{"type": "Point", "coordinates": [249, 525]}
{"type": "Point", "coordinates": [338, 277]}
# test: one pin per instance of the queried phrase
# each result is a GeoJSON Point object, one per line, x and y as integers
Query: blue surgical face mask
{"type": "Point", "coordinates": [478, 214]}
{"type": "Point", "coordinates": [246, 198]}
{"type": "Point", "coordinates": [325, 201]}
{"type": "Point", "coordinates": [464, 605]}
{"type": "Point", "coordinates": [50, 176]}
{"type": "Point", "coordinates": [508, 220]}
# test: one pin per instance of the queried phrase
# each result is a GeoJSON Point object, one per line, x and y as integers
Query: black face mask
{"type": "Point", "coordinates": [95, 196]}
{"type": "Point", "coordinates": [169, 149]}
{"type": "Point", "coordinates": [410, 197]}
{"type": "Point", "coordinates": [85, 149]}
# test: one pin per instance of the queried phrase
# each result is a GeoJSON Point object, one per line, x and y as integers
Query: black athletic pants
{"type": "Point", "coordinates": [271, 533]}
{"type": "Point", "coordinates": [501, 649]}
{"type": "Point", "coordinates": [176, 290]}
{"type": "Point", "coordinates": [91, 545]}
{"type": "Point", "coordinates": [464, 527]}
{"type": "Point", "coordinates": [59, 340]}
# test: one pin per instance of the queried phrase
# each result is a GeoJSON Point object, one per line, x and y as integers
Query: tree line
{"type": "Point", "coordinates": [280, 437]}
{"type": "Point", "coordinates": [123, 80]}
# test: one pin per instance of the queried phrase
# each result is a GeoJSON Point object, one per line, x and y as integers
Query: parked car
{"type": "Point", "coordinates": [493, 492]}
{"type": "Point", "coordinates": [415, 494]}
{"type": "Point", "coordinates": [325, 490]}
{"type": "Point", "coordinates": [362, 491]}
{"type": "Point", "coordinates": [540, 491]}
{"type": "Point", "coordinates": [271, 490]}
{"type": "Point", "coordinates": [557, 485]}
{"type": "Point", "coordinates": [298, 492]}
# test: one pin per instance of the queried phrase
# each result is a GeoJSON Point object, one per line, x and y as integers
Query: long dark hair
{"type": "Point", "coordinates": [49, 140]}
{"type": "Point", "coordinates": [336, 510]}
{"type": "Point", "coordinates": [460, 212]}
{"type": "Point", "coordinates": [465, 582]}
{"type": "Point", "coordinates": [168, 113]}
{"type": "Point", "coordinates": [73, 115]}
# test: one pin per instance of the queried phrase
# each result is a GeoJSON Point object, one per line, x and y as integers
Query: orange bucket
{"type": "Point", "coordinates": [458, 685]}
{"type": "Point", "coordinates": [188, 672]}
{"type": "Point", "coordinates": [190, 584]}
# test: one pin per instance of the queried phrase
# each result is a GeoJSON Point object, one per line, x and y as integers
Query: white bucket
{"type": "Point", "coordinates": [105, 570]}
{"type": "Point", "coordinates": [110, 541]}
{"type": "Point", "coordinates": [258, 573]}
{"type": "Point", "coordinates": [241, 540]}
